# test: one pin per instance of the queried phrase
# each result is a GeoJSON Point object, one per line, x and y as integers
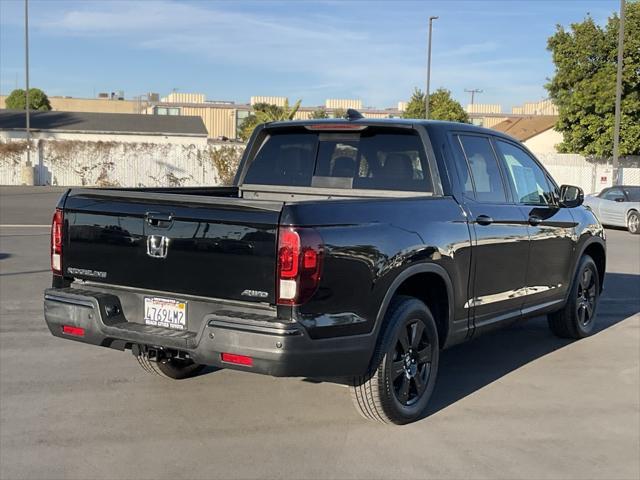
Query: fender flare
{"type": "Point", "coordinates": [404, 275]}
{"type": "Point", "coordinates": [588, 242]}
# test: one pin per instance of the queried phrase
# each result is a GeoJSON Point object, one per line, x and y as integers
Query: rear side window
{"type": "Point", "coordinates": [375, 159]}
{"type": "Point", "coordinates": [485, 173]}
{"type": "Point", "coordinates": [284, 160]}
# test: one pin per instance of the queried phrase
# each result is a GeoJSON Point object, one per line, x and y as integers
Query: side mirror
{"type": "Point", "coordinates": [571, 196]}
{"type": "Point", "coordinates": [618, 199]}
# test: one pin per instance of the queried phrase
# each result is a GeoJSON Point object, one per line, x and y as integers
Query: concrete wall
{"type": "Point", "coordinates": [69, 163]}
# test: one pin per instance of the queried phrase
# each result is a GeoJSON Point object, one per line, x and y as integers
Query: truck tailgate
{"type": "Point", "coordinates": [197, 245]}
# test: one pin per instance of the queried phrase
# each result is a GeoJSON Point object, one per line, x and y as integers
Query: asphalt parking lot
{"type": "Point", "coordinates": [517, 403]}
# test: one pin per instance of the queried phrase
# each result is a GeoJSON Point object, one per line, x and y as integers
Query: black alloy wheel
{"type": "Point", "coordinates": [586, 296]}
{"type": "Point", "coordinates": [411, 363]}
{"type": "Point", "coordinates": [404, 367]}
{"type": "Point", "coordinates": [576, 319]}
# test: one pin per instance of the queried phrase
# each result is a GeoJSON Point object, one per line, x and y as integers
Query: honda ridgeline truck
{"type": "Point", "coordinates": [353, 248]}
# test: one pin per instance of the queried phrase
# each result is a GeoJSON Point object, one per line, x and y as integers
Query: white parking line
{"type": "Point", "coordinates": [25, 226]}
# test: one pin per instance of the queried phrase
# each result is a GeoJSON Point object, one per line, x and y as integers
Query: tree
{"type": "Point", "coordinates": [38, 100]}
{"type": "Point", "coordinates": [339, 113]}
{"type": "Point", "coordinates": [319, 113]}
{"type": "Point", "coordinates": [265, 112]}
{"type": "Point", "coordinates": [584, 81]}
{"type": "Point", "coordinates": [441, 106]}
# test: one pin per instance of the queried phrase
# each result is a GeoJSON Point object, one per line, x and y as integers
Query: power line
{"type": "Point", "coordinates": [473, 93]}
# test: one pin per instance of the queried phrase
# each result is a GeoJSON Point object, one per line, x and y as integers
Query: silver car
{"type": "Point", "coordinates": [617, 206]}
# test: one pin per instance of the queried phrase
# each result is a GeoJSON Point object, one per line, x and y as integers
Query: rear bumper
{"type": "Point", "coordinates": [278, 349]}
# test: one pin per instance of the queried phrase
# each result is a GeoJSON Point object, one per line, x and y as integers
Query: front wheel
{"type": "Point", "coordinates": [633, 223]}
{"type": "Point", "coordinates": [405, 366]}
{"type": "Point", "coordinates": [577, 317]}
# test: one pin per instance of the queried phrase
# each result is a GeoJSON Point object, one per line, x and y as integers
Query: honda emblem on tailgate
{"type": "Point", "coordinates": [157, 246]}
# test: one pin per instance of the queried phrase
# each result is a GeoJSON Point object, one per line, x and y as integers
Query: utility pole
{"type": "Point", "coordinates": [616, 128]}
{"type": "Point", "coordinates": [26, 69]}
{"type": "Point", "coordinates": [426, 100]}
{"type": "Point", "coordinates": [473, 92]}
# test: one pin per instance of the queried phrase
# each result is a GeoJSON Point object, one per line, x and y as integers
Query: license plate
{"type": "Point", "coordinates": [165, 312]}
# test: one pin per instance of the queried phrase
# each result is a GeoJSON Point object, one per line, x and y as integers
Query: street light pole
{"type": "Point", "coordinates": [616, 128]}
{"type": "Point", "coordinates": [26, 69]}
{"type": "Point", "coordinates": [426, 100]}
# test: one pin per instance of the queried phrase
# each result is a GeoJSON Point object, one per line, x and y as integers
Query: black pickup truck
{"type": "Point", "coordinates": [354, 249]}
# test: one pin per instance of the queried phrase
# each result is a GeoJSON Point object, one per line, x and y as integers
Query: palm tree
{"type": "Point", "coordinates": [264, 113]}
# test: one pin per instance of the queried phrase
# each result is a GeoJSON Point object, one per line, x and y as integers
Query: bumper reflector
{"type": "Point", "coordinates": [75, 331]}
{"type": "Point", "coordinates": [237, 359]}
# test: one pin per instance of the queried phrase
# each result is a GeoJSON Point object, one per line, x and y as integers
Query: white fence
{"type": "Point", "coordinates": [591, 177]}
{"type": "Point", "coordinates": [72, 162]}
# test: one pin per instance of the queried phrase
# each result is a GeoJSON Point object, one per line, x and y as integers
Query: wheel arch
{"type": "Point", "coordinates": [409, 281]}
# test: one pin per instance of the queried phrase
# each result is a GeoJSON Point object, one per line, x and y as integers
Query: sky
{"type": "Point", "coordinates": [231, 50]}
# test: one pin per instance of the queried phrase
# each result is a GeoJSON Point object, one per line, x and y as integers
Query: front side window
{"type": "Point", "coordinates": [613, 194]}
{"type": "Point", "coordinates": [527, 179]}
{"type": "Point", "coordinates": [485, 173]}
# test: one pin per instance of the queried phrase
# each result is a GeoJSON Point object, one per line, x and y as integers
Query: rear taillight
{"type": "Point", "coordinates": [56, 242]}
{"type": "Point", "coordinates": [299, 264]}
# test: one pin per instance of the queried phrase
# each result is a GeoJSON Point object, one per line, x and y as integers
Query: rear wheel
{"type": "Point", "coordinates": [405, 366]}
{"type": "Point", "coordinates": [633, 222]}
{"type": "Point", "coordinates": [177, 368]}
{"type": "Point", "coordinates": [173, 368]}
{"type": "Point", "coordinates": [577, 318]}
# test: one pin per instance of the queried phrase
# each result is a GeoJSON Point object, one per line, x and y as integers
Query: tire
{"type": "Point", "coordinates": [173, 368]}
{"type": "Point", "coordinates": [577, 318]}
{"type": "Point", "coordinates": [633, 222]}
{"type": "Point", "coordinates": [405, 366]}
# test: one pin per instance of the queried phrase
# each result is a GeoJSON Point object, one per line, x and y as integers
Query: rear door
{"type": "Point", "coordinates": [551, 228]}
{"type": "Point", "coordinates": [501, 238]}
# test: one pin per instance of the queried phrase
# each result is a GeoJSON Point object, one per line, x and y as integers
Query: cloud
{"type": "Point", "coordinates": [471, 49]}
{"type": "Point", "coordinates": [336, 54]}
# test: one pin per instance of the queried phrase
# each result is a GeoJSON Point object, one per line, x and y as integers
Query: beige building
{"type": "Point", "coordinates": [537, 132]}
{"type": "Point", "coordinates": [343, 103]}
{"type": "Point", "coordinates": [542, 107]}
{"type": "Point", "coordinates": [279, 101]}
{"type": "Point", "coordinates": [98, 105]}
{"type": "Point", "coordinates": [223, 118]}
{"type": "Point", "coordinates": [484, 108]}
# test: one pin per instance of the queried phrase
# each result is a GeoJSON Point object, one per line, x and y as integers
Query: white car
{"type": "Point", "coordinates": [617, 206]}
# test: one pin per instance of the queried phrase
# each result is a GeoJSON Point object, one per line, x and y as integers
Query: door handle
{"type": "Point", "coordinates": [484, 220]}
{"type": "Point", "coordinates": [157, 219]}
{"type": "Point", "coordinates": [534, 220]}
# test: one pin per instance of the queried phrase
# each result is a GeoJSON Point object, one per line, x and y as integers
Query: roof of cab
{"type": "Point", "coordinates": [439, 125]}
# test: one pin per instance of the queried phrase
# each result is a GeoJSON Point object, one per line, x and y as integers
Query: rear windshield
{"type": "Point", "coordinates": [376, 158]}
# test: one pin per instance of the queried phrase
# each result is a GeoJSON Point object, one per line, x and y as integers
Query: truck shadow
{"type": "Point", "coordinates": [469, 367]}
